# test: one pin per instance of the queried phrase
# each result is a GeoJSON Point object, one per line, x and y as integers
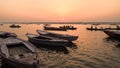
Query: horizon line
{"type": "Point", "coordinates": [59, 22]}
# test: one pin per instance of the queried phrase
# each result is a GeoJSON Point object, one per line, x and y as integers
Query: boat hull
{"type": "Point", "coordinates": [16, 64]}
{"type": "Point", "coordinates": [50, 43]}
{"type": "Point", "coordinates": [54, 28]}
{"type": "Point", "coordinates": [4, 34]}
{"type": "Point", "coordinates": [95, 29]}
{"type": "Point", "coordinates": [25, 58]}
{"type": "Point", "coordinates": [72, 38]}
{"type": "Point", "coordinates": [69, 28]}
{"type": "Point", "coordinates": [112, 34]}
{"type": "Point", "coordinates": [15, 26]}
{"type": "Point", "coordinates": [60, 36]}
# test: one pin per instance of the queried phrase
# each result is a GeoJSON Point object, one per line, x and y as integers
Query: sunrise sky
{"type": "Point", "coordinates": [59, 10]}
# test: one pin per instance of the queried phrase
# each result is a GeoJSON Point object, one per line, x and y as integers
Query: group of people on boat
{"type": "Point", "coordinates": [68, 27]}
{"type": "Point", "coordinates": [95, 27]}
{"type": "Point", "coordinates": [62, 28]}
{"type": "Point", "coordinates": [101, 28]}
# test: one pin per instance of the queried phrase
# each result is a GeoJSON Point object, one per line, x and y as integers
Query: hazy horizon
{"type": "Point", "coordinates": [59, 11]}
{"type": "Point", "coordinates": [59, 22]}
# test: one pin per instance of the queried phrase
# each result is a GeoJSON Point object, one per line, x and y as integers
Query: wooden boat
{"type": "Point", "coordinates": [114, 34]}
{"type": "Point", "coordinates": [45, 40]}
{"type": "Point", "coordinates": [68, 27]}
{"type": "Point", "coordinates": [7, 34]}
{"type": "Point", "coordinates": [18, 53]}
{"type": "Point", "coordinates": [15, 26]}
{"type": "Point", "coordinates": [56, 35]}
{"type": "Point", "coordinates": [117, 28]}
{"type": "Point", "coordinates": [112, 28]}
{"type": "Point", "coordinates": [96, 29]}
{"type": "Point", "coordinates": [54, 28]}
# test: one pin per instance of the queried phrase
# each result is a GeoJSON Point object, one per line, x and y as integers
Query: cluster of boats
{"type": "Point", "coordinates": [50, 38]}
{"type": "Point", "coordinates": [111, 32]}
{"type": "Point", "coordinates": [23, 54]}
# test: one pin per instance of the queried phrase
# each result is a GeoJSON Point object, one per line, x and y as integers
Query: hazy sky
{"type": "Point", "coordinates": [59, 10]}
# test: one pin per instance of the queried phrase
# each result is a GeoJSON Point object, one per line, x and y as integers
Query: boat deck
{"type": "Point", "coordinates": [17, 50]}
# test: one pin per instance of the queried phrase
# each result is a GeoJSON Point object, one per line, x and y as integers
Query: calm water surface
{"type": "Point", "coordinates": [93, 49]}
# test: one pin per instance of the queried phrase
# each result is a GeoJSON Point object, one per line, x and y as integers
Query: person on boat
{"type": "Point", "coordinates": [110, 27]}
{"type": "Point", "coordinates": [101, 27]}
{"type": "Point", "coordinates": [117, 26]}
{"type": "Point", "coordinates": [91, 27]}
{"type": "Point", "coordinates": [71, 26]}
{"type": "Point", "coordinates": [95, 27]}
{"type": "Point", "coordinates": [62, 27]}
{"type": "Point", "coordinates": [68, 26]}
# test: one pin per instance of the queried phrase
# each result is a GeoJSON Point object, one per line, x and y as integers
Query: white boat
{"type": "Point", "coordinates": [56, 35]}
{"type": "Point", "coordinates": [18, 53]}
{"type": "Point", "coordinates": [45, 40]}
{"type": "Point", "coordinates": [5, 34]}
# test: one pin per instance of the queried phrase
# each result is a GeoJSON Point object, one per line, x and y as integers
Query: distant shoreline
{"type": "Point", "coordinates": [60, 23]}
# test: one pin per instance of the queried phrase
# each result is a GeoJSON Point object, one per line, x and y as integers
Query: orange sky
{"type": "Point", "coordinates": [59, 10]}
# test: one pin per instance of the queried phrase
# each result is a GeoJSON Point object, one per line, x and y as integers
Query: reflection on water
{"type": "Point", "coordinates": [52, 48]}
{"type": "Point", "coordinates": [116, 41]}
{"type": "Point", "coordinates": [118, 45]}
{"type": "Point", "coordinates": [72, 45]}
{"type": "Point", "coordinates": [93, 49]}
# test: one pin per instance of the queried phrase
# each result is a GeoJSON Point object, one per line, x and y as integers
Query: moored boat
{"type": "Point", "coordinates": [114, 34]}
{"type": "Point", "coordinates": [56, 35]}
{"type": "Point", "coordinates": [15, 26]}
{"type": "Point", "coordinates": [45, 40]}
{"type": "Point", "coordinates": [18, 53]}
{"type": "Point", "coordinates": [54, 28]}
{"type": "Point", "coordinates": [112, 29]}
{"type": "Point", "coordinates": [5, 34]}
{"type": "Point", "coordinates": [96, 29]}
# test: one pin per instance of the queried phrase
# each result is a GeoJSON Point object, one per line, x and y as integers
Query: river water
{"type": "Point", "coordinates": [93, 49]}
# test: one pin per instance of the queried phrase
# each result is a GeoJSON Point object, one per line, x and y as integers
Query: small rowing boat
{"type": "Point", "coordinates": [45, 40]}
{"type": "Point", "coordinates": [5, 34]}
{"type": "Point", "coordinates": [56, 35]}
{"type": "Point", "coordinates": [18, 53]}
